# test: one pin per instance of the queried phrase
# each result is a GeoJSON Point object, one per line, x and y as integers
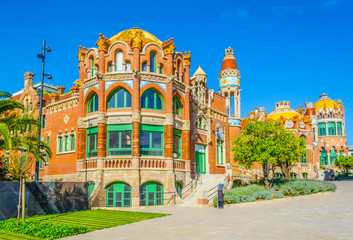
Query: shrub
{"type": "Point", "coordinates": [47, 230]}
{"type": "Point", "coordinates": [264, 195]}
{"type": "Point", "coordinates": [215, 201]}
{"type": "Point", "coordinates": [280, 194]}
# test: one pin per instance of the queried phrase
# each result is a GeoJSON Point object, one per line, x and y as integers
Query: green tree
{"type": "Point", "coordinates": [257, 144]}
{"type": "Point", "coordinates": [289, 149]}
{"type": "Point", "coordinates": [345, 163]}
{"type": "Point", "coordinates": [269, 145]}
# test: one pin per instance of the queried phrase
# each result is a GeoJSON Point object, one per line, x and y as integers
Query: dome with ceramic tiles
{"type": "Point", "coordinates": [283, 111]}
{"type": "Point", "coordinates": [326, 103]}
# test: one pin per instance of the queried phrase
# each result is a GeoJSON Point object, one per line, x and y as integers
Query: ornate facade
{"type": "Point", "coordinates": [138, 127]}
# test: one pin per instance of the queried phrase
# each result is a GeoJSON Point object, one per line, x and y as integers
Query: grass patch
{"type": "Point", "coordinates": [69, 224]}
{"type": "Point", "coordinates": [281, 188]}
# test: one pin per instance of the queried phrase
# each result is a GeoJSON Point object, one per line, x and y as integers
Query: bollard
{"type": "Point", "coordinates": [220, 196]}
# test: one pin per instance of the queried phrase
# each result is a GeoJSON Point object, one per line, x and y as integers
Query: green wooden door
{"type": "Point", "coordinates": [200, 159]}
{"type": "Point", "coordinates": [118, 195]}
{"type": "Point", "coordinates": [151, 194]}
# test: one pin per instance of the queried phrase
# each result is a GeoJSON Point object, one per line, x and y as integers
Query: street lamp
{"type": "Point", "coordinates": [42, 57]}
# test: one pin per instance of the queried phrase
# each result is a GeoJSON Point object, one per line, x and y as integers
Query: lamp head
{"type": "Point", "coordinates": [40, 56]}
{"type": "Point", "coordinates": [48, 49]}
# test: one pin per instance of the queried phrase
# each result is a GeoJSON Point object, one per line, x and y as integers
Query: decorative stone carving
{"type": "Point", "coordinates": [101, 118]}
{"type": "Point", "coordinates": [118, 76]}
{"type": "Point", "coordinates": [81, 54]}
{"type": "Point", "coordinates": [91, 81]}
{"type": "Point", "coordinates": [169, 119]}
{"type": "Point", "coordinates": [171, 78]}
{"type": "Point", "coordinates": [136, 116]}
{"type": "Point", "coordinates": [186, 125]}
{"type": "Point", "coordinates": [136, 74]}
{"type": "Point", "coordinates": [81, 123]}
{"type": "Point", "coordinates": [153, 77]}
{"type": "Point", "coordinates": [103, 43]}
{"type": "Point", "coordinates": [99, 76]}
{"type": "Point", "coordinates": [66, 119]}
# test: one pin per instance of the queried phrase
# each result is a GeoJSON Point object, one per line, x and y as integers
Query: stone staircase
{"type": "Point", "coordinates": [207, 190]}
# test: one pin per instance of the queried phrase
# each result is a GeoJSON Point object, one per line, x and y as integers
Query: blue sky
{"type": "Point", "coordinates": [285, 50]}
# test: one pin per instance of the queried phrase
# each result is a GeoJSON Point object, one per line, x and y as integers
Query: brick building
{"type": "Point", "coordinates": [138, 126]}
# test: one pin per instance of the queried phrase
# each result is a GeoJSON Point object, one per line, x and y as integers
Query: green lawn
{"type": "Point", "coordinates": [91, 220]}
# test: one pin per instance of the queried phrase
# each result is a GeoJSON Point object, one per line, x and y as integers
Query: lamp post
{"type": "Point", "coordinates": [42, 57]}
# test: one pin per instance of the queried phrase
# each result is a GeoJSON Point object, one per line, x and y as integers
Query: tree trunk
{"type": "Point", "coordinates": [265, 173]}
{"type": "Point", "coordinates": [19, 203]}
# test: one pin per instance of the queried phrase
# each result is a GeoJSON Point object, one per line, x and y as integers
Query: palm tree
{"type": "Point", "coordinates": [8, 104]}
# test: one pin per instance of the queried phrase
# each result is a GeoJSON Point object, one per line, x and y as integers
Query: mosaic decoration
{"type": "Point", "coordinates": [233, 121]}
{"type": "Point", "coordinates": [289, 124]}
{"type": "Point", "coordinates": [220, 133]}
{"type": "Point", "coordinates": [229, 81]}
{"type": "Point", "coordinates": [130, 83]}
{"type": "Point", "coordinates": [87, 88]}
{"type": "Point", "coordinates": [162, 85]}
{"type": "Point", "coordinates": [301, 124]}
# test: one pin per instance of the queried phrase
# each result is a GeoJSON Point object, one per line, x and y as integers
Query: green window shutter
{"type": "Point", "coordinates": [92, 66]}
{"type": "Point", "coordinates": [339, 129]}
{"type": "Point", "coordinates": [222, 162]}
{"type": "Point", "coordinates": [60, 144]}
{"type": "Point", "coordinates": [72, 142]}
{"type": "Point", "coordinates": [47, 156]}
{"type": "Point", "coordinates": [66, 143]}
{"type": "Point", "coordinates": [322, 129]}
{"type": "Point", "coordinates": [91, 148]}
{"type": "Point", "coordinates": [217, 151]}
{"type": "Point", "coordinates": [331, 128]}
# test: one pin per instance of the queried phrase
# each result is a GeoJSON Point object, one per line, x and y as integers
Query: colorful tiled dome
{"type": "Point", "coordinates": [229, 60]}
{"type": "Point", "coordinates": [128, 35]}
{"type": "Point", "coordinates": [283, 111]}
{"type": "Point", "coordinates": [325, 103]}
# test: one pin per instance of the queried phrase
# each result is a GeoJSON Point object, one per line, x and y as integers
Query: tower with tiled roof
{"type": "Point", "coordinates": [229, 85]}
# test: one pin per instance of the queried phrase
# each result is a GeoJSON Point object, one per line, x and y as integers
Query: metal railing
{"type": "Point", "coordinates": [189, 188]}
{"type": "Point", "coordinates": [213, 191]}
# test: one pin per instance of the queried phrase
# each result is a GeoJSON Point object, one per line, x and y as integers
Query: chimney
{"type": "Point", "coordinates": [28, 80]}
{"type": "Point", "coordinates": [74, 90]}
{"type": "Point", "coordinates": [61, 90]}
{"type": "Point", "coordinates": [54, 97]}
{"type": "Point", "coordinates": [300, 107]}
{"type": "Point", "coordinates": [256, 111]}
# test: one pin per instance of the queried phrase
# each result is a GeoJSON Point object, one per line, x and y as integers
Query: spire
{"type": "Point", "coordinates": [229, 60]}
{"type": "Point", "coordinates": [199, 71]}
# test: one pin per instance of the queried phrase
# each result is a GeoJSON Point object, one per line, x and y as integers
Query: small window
{"type": "Point", "coordinates": [278, 175]}
{"type": "Point", "coordinates": [305, 176]}
{"type": "Point", "coordinates": [66, 143]}
{"type": "Point", "coordinates": [92, 145]}
{"type": "Point", "coordinates": [161, 69]}
{"type": "Point", "coordinates": [93, 103]}
{"type": "Point", "coordinates": [322, 129]}
{"type": "Point", "coordinates": [176, 106]}
{"type": "Point", "coordinates": [43, 121]}
{"type": "Point", "coordinates": [153, 62]}
{"type": "Point", "coordinates": [92, 67]}
{"type": "Point", "coordinates": [119, 61]}
{"type": "Point", "coordinates": [110, 68]}
{"type": "Point", "coordinates": [47, 156]}
{"type": "Point", "coordinates": [128, 66]}
{"type": "Point", "coordinates": [293, 176]}
{"type": "Point", "coordinates": [72, 142]}
{"type": "Point", "coordinates": [177, 146]}
{"type": "Point", "coordinates": [60, 144]}
{"type": "Point", "coordinates": [144, 67]}
{"type": "Point", "coordinates": [331, 128]}
{"type": "Point", "coordinates": [339, 129]}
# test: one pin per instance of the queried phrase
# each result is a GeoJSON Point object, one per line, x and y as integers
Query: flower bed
{"type": "Point", "coordinates": [280, 189]}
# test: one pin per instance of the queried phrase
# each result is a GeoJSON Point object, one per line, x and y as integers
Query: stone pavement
{"type": "Point", "coordinates": [327, 216]}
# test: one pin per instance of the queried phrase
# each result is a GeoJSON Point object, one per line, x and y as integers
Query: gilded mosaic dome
{"type": "Point", "coordinates": [128, 35]}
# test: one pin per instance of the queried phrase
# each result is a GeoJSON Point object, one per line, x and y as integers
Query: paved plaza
{"type": "Point", "coordinates": [326, 216]}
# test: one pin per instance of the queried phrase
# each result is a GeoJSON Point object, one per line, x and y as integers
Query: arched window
{"type": "Point", "coordinates": [331, 128]}
{"type": "Point", "coordinates": [333, 156]}
{"type": "Point", "coordinates": [144, 67]}
{"type": "Point", "coordinates": [119, 61]}
{"type": "Point", "coordinates": [118, 195]}
{"type": "Point", "coordinates": [92, 67]}
{"type": "Point", "coordinates": [278, 175]}
{"type": "Point", "coordinates": [128, 66]}
{"type": "Point", "coordinates": [153, 64]}
{"type": "Point", "coordinates": [305, 176]}
{"type": "Point", "coordinates": [322, 129]}
{"type": "Point", "coordinates": [120, 98]}
{"type": "Point", "coordinates": [151, 194]}
{"type": "Point", "coordinates": [161, 69]}
{"type": "Point", "coordinates": [110, 67]}
{"type": "Point", "coordinates": [303, 159]}
{"type": "Point", "coordinates": [293, 176]}
{"type": "Point", "coordinates": [178, 74]}
{"type": "Point", "coordinates": [176, 106]}
{"type": "Point", "coordinates": [323, 157]}
{"type": "Point", "coordinates": [93, 103]}
{"type": "Point", "coordinates": [151, 100]}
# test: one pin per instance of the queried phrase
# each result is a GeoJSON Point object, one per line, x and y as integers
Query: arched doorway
{"type": "Point", "coordinates": [151, 194]}
{"type": "Point", "coordinates": [118, 194]}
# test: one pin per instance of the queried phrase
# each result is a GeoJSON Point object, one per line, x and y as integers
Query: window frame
{"type": "Point", "coordinates": [322, 129]}
{"type": "Point", "coordinates": [94, 100]}
{"type": "Point", "coordinates": [177, 133]}
{"type": "Point", "coordinates": [176, 106]}
{"type": "Point", "coordinates": [155, 96]}
{"type": "Point", "coordinates": [120, 129]}
{"type": "Point", "coordinates": [153, 64]}
{"type": "Point", "coordinates": [118, 187]}
{"type": "Point", "coordinates": [150, 129]}
{"type": "Point", "coordinates": [331, 129]}
{"type": "Point", "coordinates": [91, 131]}
{"type": "Point", "coordinates": [114, 94]}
